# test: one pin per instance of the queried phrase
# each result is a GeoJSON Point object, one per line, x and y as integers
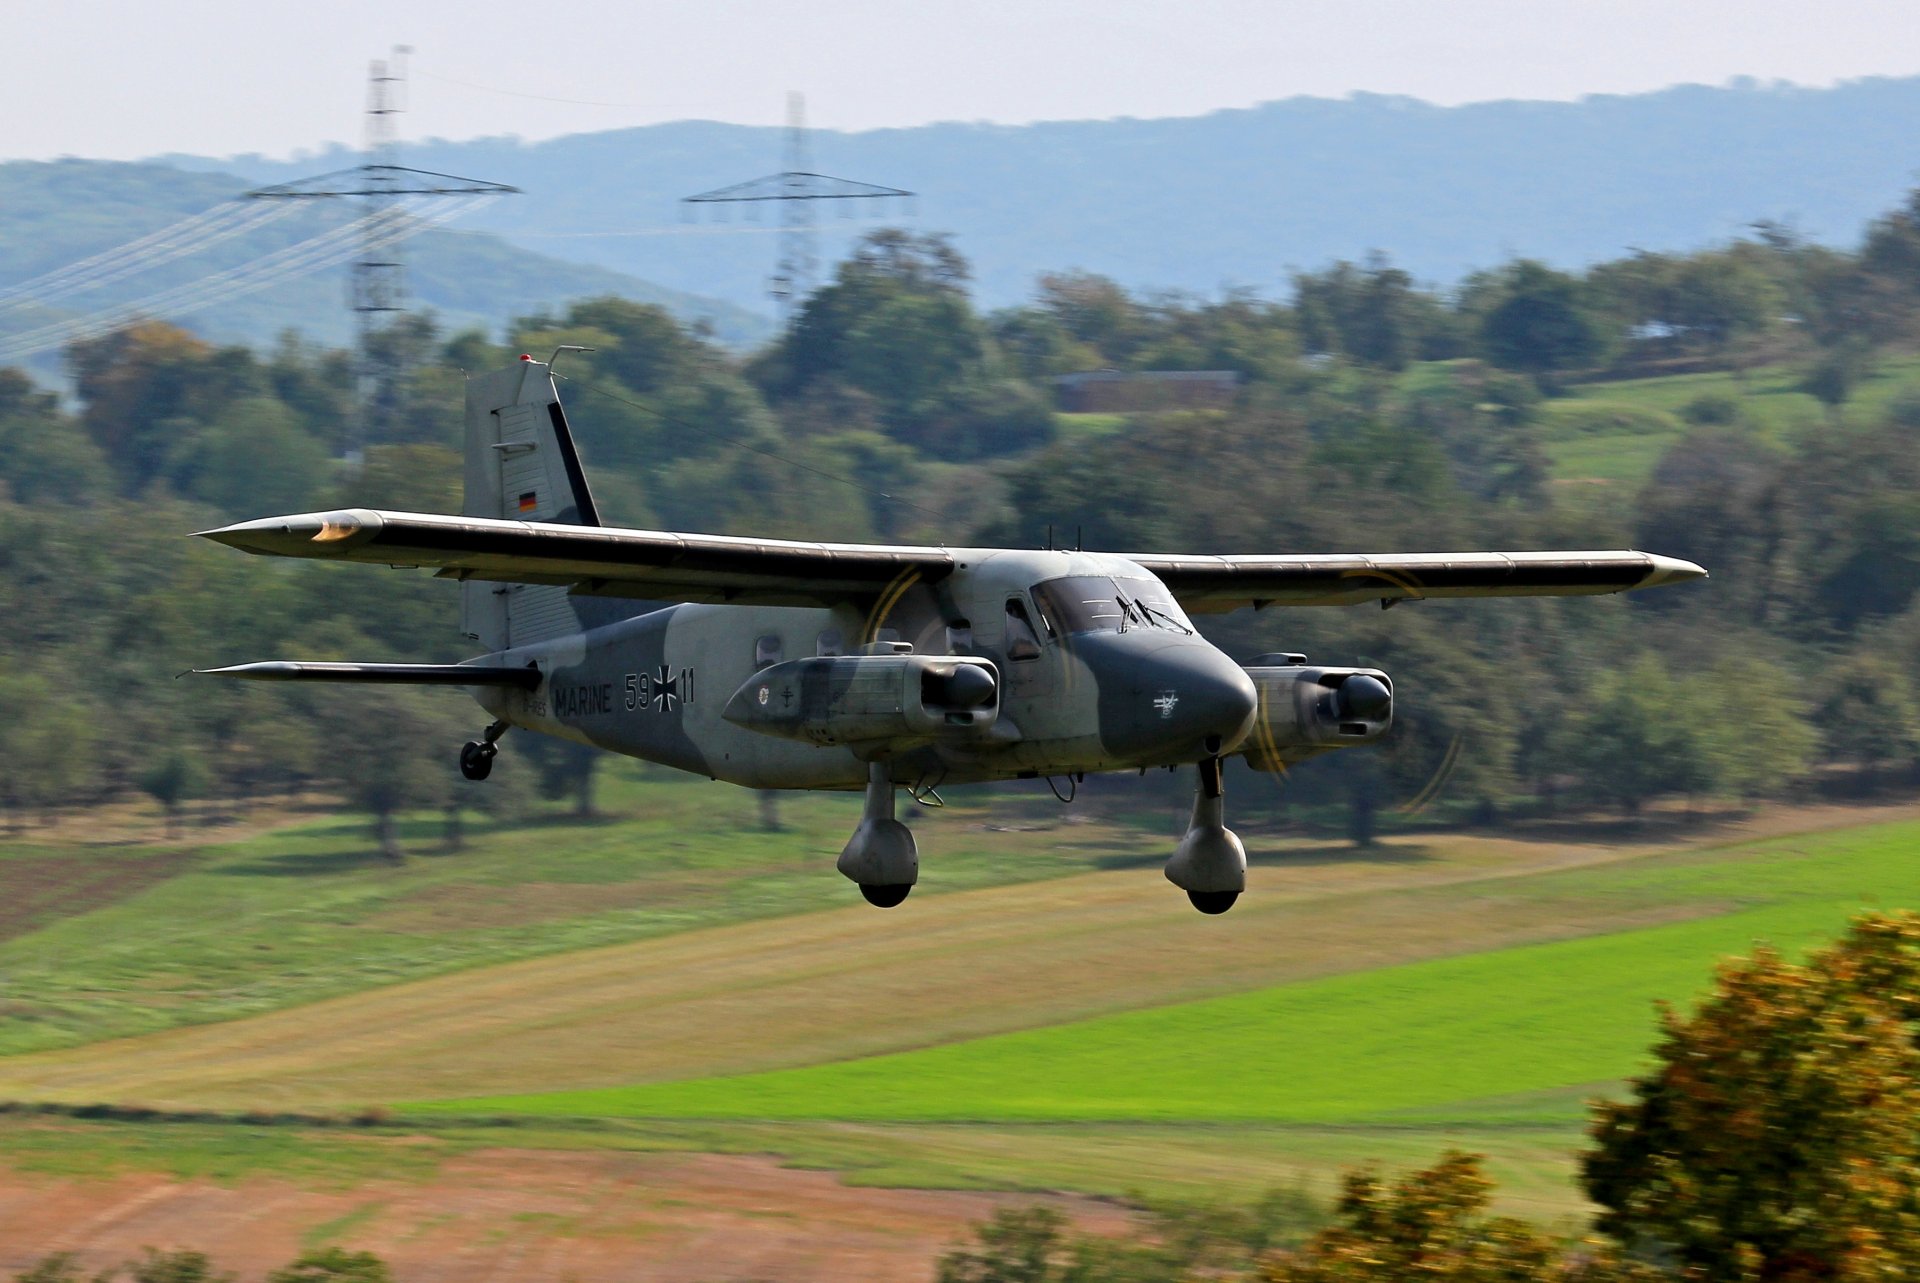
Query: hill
{"type": "Point", "coordinates": [1047, 1013]}
{"type": "Point", "coordinates": [1236, 197]}
{"type": "Point", "coordinates": [58, 213]}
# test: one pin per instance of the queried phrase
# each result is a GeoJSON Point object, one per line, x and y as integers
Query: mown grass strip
{"type": "Point", "coordinates": [1463, 1039]}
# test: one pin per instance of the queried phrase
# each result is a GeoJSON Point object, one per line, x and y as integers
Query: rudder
{"type": "Point", "coordinates": [521, 465]}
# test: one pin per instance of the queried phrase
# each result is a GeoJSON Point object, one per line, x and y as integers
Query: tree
{"type": "Point", "coordinates": [1094, 311]}
{"type": "Point", "coordinates": [333, 1265]}
{"type": "Point", "coordinates": [1630, 742]}
{"type": "Point", "coordinates": [49, 745]}
{"type": "Point", "coordinates": [565, 768]}
{"type": "Point", "coordinates": [170, 780]}
{"type": "Point", "coordinates": [148, 388]}
{"type": "Point", "coordinates": [180, 1266]}
{"type": "Point", "coordinates": [1370, 313]}
{"type": "Point", "coordinates": [1868, 711]}
{"type": "Point", "coordinates": [389, 754]}
{"type": "Point", "coordinates": [1433, 1225]}
{"type": "Point", "coordinates": [1542, 324]}
{"type": "Point", "coordinates": [1777, 1137]}
{"type": "Point", "coordinates": [1836, 374]}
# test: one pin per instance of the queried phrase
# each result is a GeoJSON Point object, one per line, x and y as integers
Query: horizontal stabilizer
{"type": "Point", "coordinates": [286, 670]}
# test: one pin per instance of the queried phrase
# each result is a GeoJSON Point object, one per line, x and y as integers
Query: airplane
{"type": "Point", "coordinates": [777, 664]}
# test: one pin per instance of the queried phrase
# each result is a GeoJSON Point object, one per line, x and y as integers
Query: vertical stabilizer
{"type": "Point", "coordinates": [521, 466]}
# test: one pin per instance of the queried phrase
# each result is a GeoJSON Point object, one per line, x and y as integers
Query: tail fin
{"type": "Point", "coordinates": [521, 465]}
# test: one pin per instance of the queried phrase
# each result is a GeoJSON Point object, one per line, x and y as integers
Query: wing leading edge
{"type": "Point", "coordinates": [1211, 585]}
{"type": "Point", "coordinates": [596, 561]}
{"type": "Point", "coordinates": [661, 565]}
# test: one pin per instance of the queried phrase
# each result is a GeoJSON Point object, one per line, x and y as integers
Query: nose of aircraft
{"type": "Point", "coordinates": [1179, 701]}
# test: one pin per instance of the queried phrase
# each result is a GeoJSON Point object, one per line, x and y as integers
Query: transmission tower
{"type": "Point", "coordinates": [379, 283]}
{"type": "Point", "coordinates": [796, 188]}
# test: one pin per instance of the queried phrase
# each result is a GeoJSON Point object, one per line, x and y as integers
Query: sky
{"type": "Point", "coordinates": [124, 79]}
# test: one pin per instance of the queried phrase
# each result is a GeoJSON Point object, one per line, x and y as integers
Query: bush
{"type": "Point", "coordinates": [334, 1265]}
{"type": "Point", "coordinates": [1432, 1225]}
{"type": "Point", "coordinates": [1566, 419]}
{"type": "Point", "coordinates": [1714, 409]}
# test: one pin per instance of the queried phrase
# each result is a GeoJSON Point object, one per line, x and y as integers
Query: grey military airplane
{"type": "Point", "coordinates": [786, 665]}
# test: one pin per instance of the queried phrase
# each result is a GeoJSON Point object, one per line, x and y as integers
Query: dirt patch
{"type": "Point", "coordinates": [528, 1216]}
{"type": "Point", "coordinates": [36, 889]}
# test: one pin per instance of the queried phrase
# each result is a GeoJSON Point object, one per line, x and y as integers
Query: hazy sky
{"type": "Point", "coordinates": [130, 78]}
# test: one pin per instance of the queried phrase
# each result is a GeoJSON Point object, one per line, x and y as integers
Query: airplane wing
{"type": "Point", "coordinates": [601, 561]}
{"type": "Point", "coordinates": [665, 566]}
{"type": "Point", "coordinates": [1213, 585]}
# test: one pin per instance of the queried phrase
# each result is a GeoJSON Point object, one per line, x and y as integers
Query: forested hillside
{"type": "Point", "coordinates": [1241, 197]}
{"type": "Point", "coordinates": [1751, 405]}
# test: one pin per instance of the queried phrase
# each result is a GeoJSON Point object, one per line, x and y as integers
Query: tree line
{"type": "Point", "coordinates": [1369, 413]}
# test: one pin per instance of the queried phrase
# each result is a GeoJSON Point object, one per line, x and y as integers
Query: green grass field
{"type": "Point", "coordinates": [101, 942]}
{"type": "Point", "coordinates": [1044, 1013]}
{"type": "Point", "coordinates": [1513, 1035]}
{"type": "Point", "coordinates": [1770, 400]}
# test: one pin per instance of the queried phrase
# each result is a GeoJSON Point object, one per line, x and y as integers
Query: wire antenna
{"type": "Point", "coordinates": [796, 188]}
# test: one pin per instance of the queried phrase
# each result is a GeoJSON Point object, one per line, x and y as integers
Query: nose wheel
{"type": "Point", "coordinates": [1210, 865]}
{"type": "Point", "coordinates": [476, 756]}
{"type": "Point", "coordinates": [881, 857]}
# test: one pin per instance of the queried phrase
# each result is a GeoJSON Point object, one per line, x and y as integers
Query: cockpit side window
{"type": "Point", "coordinates": [1022, 641]}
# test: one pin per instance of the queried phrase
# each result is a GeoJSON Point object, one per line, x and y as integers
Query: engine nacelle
{"type": "Point", "coordinates": [1305, 711]}
{"type": "Point", "coordinates": [870, 700]}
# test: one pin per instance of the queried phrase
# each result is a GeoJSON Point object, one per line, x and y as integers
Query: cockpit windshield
{"type": "Point", "coordinates": [1096, 604]}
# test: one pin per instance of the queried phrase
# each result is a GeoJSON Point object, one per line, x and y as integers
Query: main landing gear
{"type": "Point", "coordinates": [881, 856]}
{"type": "Point", "coordinates": [476, 756]}
{"type": "Point", "coordinates": [1210, 865]}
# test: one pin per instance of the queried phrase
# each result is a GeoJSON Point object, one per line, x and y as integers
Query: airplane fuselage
{"type": "Point", "coordinates": [1097, 670]}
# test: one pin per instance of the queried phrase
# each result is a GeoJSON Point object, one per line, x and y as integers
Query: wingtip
{"type": "Point", "coordinates": [1671, 570]}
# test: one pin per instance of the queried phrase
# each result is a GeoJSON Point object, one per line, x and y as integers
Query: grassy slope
{"type": "Point", "coordinates": [1770, 400]}
{"type": "Point", "coordinates": [311, 912]}
{"type": "Point", "coordinates": [811, 987]}
{"type": "Point", "coordinates": [1511, 1035]}
{"type": "Point", "coordinates": [1397, 962]}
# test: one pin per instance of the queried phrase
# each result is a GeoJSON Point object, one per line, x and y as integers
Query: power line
{"type": "Point", "coordinates": [177, 240]}
{"type": "Point", "coordinates": [298, 259]}
{"type": "Point", "coordinates": [515, 93]}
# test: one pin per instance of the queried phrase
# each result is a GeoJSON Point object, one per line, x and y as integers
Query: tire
{"type": "Point", "coordinates": [885, 897]}
{"type": "Point", "coordinates": [476, 760]}
{"type": "Point", "coordinates": [1213, 902]}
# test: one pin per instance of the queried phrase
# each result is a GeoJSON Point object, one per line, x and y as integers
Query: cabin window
{"type": "Point", "coordinates": [766, 651]}
{"type": "Point", "coordinates": [830, 643]}
{"type": "Point", "coordinates": [887, 635]}
{"type": "Point", "coordinates": [960, 637]}
{"type": "Point", "coordinates": [1022, 641]}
